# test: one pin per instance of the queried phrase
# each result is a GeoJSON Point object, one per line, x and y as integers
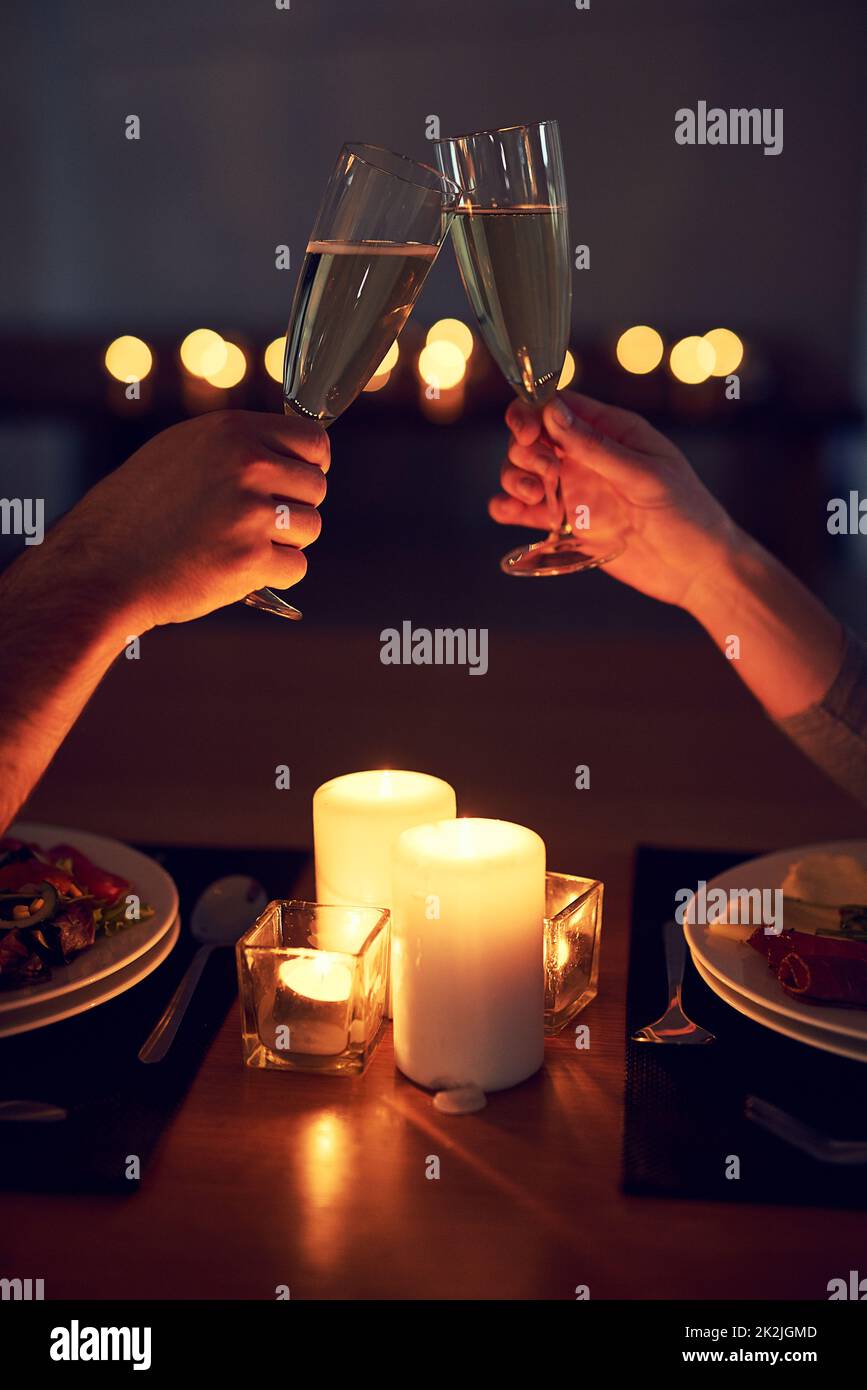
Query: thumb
{"type": "Point", "coordinates": [574, 439]}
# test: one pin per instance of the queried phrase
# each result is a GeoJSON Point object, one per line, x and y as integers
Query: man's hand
{"type": "Point", "coordinates": [189, 523]}
{"type": "Point", "coordinates": [194, 520]}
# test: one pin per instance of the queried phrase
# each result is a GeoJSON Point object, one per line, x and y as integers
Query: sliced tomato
{"type": "Point", "coordinates": [98, 882]}
{"type": "Point", "coordinates": [14, 876]}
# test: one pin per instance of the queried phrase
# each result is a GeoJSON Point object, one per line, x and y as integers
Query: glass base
{"type": "Point", "coordinates": [557, 554]}
{"type": "Point", "coordinates": [269, 602]}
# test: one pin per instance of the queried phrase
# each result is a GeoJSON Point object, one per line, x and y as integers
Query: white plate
{"type": "Point", "coordinates": [109, 987]}
{"type": "Point", "coordinates": [107, 954]}
{"type": "Point", "coordinates": [778, 1023]}
{"type": "Point", "coordinates": [745, 971]}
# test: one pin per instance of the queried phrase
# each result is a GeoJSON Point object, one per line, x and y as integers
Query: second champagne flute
{"type": "Point", "coordinates": [511, 237]}
{"type": "Point", "coordinates": [380, 226]}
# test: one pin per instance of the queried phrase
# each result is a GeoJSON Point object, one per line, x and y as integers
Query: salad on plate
{"type": "Point", "coordinates": [55, 903]}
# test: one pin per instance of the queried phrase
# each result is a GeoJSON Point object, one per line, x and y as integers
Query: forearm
{"type": "Point", "coordinates": [59, 633]}
{"type": "Point", "coordinates": [789, 648]}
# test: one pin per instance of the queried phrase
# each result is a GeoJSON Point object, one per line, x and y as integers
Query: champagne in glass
{"type": "Point", "coordinates": [380, 226]}
{"type": "Point", "coordinates": [510, 261]}
{"type": "Point", "coordinates": [366, 287]}
{"type": "Point", "coordinates": [511, 238]}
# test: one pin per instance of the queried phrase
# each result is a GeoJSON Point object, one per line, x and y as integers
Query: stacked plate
{"type": "Point", "coordinates": [741, 977]}
{"type": "Point", "coordinates": [112, 964]}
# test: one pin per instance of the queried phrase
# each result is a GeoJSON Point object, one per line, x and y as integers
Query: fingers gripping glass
{"type": "Point", "coordinates": [380, 226]}
{"type": "Point", "coordinates": [511, 238]}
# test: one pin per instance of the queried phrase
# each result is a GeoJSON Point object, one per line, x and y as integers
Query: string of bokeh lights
{"type": "Point", "coordinates": [441, 365]}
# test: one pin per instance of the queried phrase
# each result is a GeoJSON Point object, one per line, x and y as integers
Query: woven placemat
{"type": "Point", "coordinates": [118, 1107]}
{"type": "Point", "coordinates": [684, 1120]}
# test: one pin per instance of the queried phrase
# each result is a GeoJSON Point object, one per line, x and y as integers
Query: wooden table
{"type": "Point", "coordinates": [267, 1179]}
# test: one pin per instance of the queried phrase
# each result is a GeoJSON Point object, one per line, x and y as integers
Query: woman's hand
{"type": "Point", "coordinates": [196, 519]}
{"type": "Point", "coordinates": [638, 489]}
{"type": "Point", "coordinates": [678, 543]}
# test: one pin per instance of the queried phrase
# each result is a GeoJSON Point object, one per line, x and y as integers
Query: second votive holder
{"type": "Point", "coordinates": [573, 931]}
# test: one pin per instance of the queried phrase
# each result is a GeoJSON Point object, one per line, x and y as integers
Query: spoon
{"type": "Point", "coordinates": [674, 1026]}
{"type": "Point", "coordinates": [226, 909]}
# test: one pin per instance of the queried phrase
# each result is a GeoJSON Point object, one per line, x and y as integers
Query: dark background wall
{"type": "Point", "coordinates": [244, 107]}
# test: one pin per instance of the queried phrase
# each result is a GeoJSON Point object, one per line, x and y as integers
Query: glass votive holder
{"type": "Point", "coordinates": [312, 982]}
{"type": "Point", "coordinates": [573, 928]}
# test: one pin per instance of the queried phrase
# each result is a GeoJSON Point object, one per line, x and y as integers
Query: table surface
{"type": "Point", "coordinates": [266, 1179]}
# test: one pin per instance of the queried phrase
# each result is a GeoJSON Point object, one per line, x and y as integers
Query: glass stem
{"type": "Point", "coordinates": [554, 495]}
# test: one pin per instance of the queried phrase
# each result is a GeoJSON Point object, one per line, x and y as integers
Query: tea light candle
{"type": "Point", "coordinates": [317, 977]}
{"type": "Point", "coordinates": [356, 822]}
{"type": "Point", "coordinates": [467, 953]}
{"type": "Point", "coordinates": [311, 1004]}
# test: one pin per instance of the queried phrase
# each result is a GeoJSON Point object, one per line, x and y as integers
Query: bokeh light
{"type": "Point", "coordinates": [377, 382]}
{"type": "Point", "coordinates": [274, 355]}
{"type": "Point", "coordinates": [639, 349]}
{"type": "Point", "coordinates": [388, 361]}
{"type": "Point", "coordinates": [441, 364]}
{"type": "Point", "coordinates": [728, 348]}
{"type": "Point", "coordinates": [204, 353]}
{"type": "Point", "coordinates": [455, 332]}
{"type": "Point", "coordinates": [384, 370]}
{"type": "Point", "coordinates": [692, 360]}
{"type": "Point", "coordinates": [233, 369]}
{"type": "Point", "coordinates": [568, 371]}
{"type": "Point", "coordinates": [128, 359]}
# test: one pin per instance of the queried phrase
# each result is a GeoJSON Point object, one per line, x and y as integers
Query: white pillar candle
{"type": "Point", "coordinates": [467, 953]}
{"type": "Point", "coordinates": [356, 822]}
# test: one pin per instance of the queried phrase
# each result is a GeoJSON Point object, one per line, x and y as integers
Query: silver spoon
{"type": "Point", "coordinates": [224, 912]}
{"type": "Point", "coordinates": [674, 1026]}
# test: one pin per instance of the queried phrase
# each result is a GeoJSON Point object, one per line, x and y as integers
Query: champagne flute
{"type": "Point", "coordinates": [379, 229]}
{"type": "Point", "coordinates": [511, 237]}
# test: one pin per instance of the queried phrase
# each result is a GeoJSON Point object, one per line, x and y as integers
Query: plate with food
{"type": "Point", "coordinates": [75, 909]}
{"type": "Point", "coordinates": [63, 1006]}
{"type": "Point", "coordinates": [795, 1028]}
{"type": "Point", "coordinates": [811, 966]}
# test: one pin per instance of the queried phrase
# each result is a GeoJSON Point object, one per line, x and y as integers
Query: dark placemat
{"type": "Point", "coordinates": [117, 1106]}
{"type": "Point", "coordinates": [684, 1107]}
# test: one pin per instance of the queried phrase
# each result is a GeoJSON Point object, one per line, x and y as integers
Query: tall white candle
{"type": "Point", "coordinates": [467, 953]}
{"type": "Point", "coordinates": [356, 821]}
